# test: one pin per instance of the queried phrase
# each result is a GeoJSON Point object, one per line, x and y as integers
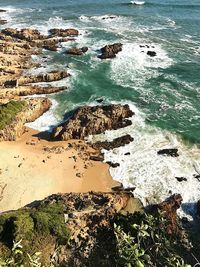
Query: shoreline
{"type": "Point", "coordinates": [28, 173]}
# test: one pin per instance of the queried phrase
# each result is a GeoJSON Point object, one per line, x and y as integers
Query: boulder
{"type": "Point", "coordinates": [173, 152]}
{"type": "Point", "coordinates": [89, 120]}
{"type": "Point", "coordinates": [117, 142]}
{"type": "Point", "coordinates": [64, 32]}
{"type": "Point", "coordinates": [181, 179]}
{"type": "Point", "coordinates": [77, 51]}
{"type": "Point", "coordinates": [3, 21]}
{"type": "Point", "coordinates": [51, 47]}
{"type": "Point", "coordinates": [151, 53]}
{"type": "Point", "coordinates": [110, 51]}
{"type": "Point", "coordinates": [198, 207]}
{"type": "Point", "coordinates": [112, 164]}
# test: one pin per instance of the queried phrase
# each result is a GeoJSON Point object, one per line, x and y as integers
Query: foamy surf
{"type": "Point", "coordinates": [153, 175]}
{"type": "Point", "coordinates": [133, 66]}
{"type": "Point", "coordinates": [47, 120]}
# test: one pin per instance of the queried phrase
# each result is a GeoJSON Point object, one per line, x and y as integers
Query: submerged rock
{"type": "Point", "coordinates": [63, 32]}
{"type": "Point", "coordinates": [77, 51]}
{"type": "Point", "coordinates": [117, 142]}
{"type": "Point", "coordinates": [181, 179]}
{"type": "Point", "coordinates": [88, 120]}
{"type": "Point", "coordinates": [173, 152]}
{"type": "Point", "coordinates": [151, 53]}
{"type": "Point", "coordinates": [110, 51]}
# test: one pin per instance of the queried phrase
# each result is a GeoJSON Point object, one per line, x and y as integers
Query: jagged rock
{"type": "Point", "coordinates": [3, 21]}
{"type": "Point", "coordinates": [173, 152]}
{"type": "Point", "coordinates": [93, 120]}
{"type": "Point", "coordinates": [169, 208]}
{"type": "Point", "coordinates": [46, 77]}
{"type": "Point", "coordinates": [9, 93]}
{"type": "Point", "coordinates": [77, 51]}
{"type": "Point", "coordinates": [181, 179]}
{"type": "Point", "coordinates": [32, 110]}
{"type": "Point", "coordinates": [112, 164]}
{"type": "Point", "coordinates": [63, 32]}
{"type": "Point", "coordinates": [151, 53]}
{"type": "Point", "coordinates": [97, 158]}
{"type": "Point", "coordinates": [117, 142]}
{"type": "Point", "coordinates": [23, 34]}
{"type": "Point", "coordinates": [198, 207]}
{"type": "Point", "coordinates": [110, 51]}
{"type": "Point", "coordinates": [51, 47]}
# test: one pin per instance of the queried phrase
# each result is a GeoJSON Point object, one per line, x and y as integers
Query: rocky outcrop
{"type": "Point", "coordinates": [33, 108]}
{"type": "Point", "coordinates": [173, 152]}
{"type": "Point", "coordinates": [46, 77]}
{"type": "Point", "coordinates": [169, 209]}
{"type": "Point", "coordinates": [117, 142]}
{"type": "Point", "coordinates": [93, 120]}
{"type": "Point", "coordinates": [198, 207]}
{"type": "Point", "coordinates": [151, 53]}
{"type": "Point", "coordinates": [77, 51]}
{"type": "Point", "coordinates": [110, 51]}
{"type": "Point", "coordinates": [9, 93]}
{"type": "Point", "coordinates": [63, 32]}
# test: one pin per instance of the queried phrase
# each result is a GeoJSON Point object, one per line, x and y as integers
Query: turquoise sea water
{"type": "Point", "coordinates": [164, 91]}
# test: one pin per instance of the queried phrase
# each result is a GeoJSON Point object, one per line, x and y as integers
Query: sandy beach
{"type": "Point", "coordinates": [33, 168]}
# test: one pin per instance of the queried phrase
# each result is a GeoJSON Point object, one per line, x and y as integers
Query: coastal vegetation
{"type": "Point", "coordinates": [36, 236]}
{"type": "Point", "coordinates": [9, 111]}
{"type": "Point", "coordinates": [32, 230]}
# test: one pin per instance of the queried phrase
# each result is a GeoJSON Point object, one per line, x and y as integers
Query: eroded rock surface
{"type": "Point", "coordinates": [117, 142]}
{"type": "Point", "coordinates": [93, 120]}
{"type": "Point", "coordinates": [110, 51]}
{"type": "Point", "coordinates": [32, 110]}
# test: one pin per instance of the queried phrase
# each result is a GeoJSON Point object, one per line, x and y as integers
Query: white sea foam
{"type": "Point", "coordinates": [133, 66]}
{"type": "Point", "coordinates": [154, 175]}
{"type": "Point", "coordinates": [47, 120]}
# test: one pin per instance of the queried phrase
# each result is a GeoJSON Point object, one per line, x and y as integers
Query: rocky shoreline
{"type": "Point", "coordinates": [83, 218]}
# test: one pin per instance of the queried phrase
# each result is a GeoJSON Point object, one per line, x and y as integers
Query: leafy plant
{"type": "Point", "coordinates": [142, 240]}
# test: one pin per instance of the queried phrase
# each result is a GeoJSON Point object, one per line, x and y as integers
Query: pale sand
{"type": "Point", "coordinates": [28, 173]}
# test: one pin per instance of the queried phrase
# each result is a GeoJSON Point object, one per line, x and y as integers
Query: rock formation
{"type": "Point", "coordinates": [173, 152]}
{"type": "Point", "coordinates": [169, 208]}
{"type": "Point", "coordinates": [63, 32]}
{"type": "Point", "coordinates": [77, 51]}
{"type": "Point", "coordinates": [93, 120]}
{"type": "Point", "coordinates": [117, 142]}
{"type": "Point", "coordinates": [110, 51]}
{"type": "Point", "coordinates": [33, 109]}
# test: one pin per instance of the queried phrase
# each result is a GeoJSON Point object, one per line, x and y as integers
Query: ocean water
{"type": "Point", "coordinates": [164, 91]}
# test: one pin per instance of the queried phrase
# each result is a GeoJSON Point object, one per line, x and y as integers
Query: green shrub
{"type": "Point", "coordinates": [9, 111]}
{"type": "Point", "coordinates": [143, 240]}
{"type": "Point", "coordinates": [39, 229]}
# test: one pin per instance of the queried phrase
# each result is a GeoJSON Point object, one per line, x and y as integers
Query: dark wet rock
{"type": "Point", "coordinates": [77, 51]}
{"type": "Point", "coordinates": [97, 158]}
{"type": "Point", "coordinates": [110, 51]}
{"type": "Point", "coordinates": [151, 53]}
{"type": "Point", "coordinates": [99, 100]}
{"type": "Point", "coordinates": [3, 21]}
{"type": "Point", "coordinates": [89, 120]}
{"type": "Point", "coordinates": [181, 179]}
{"type": "Point", "coordinates": [112, 164]}
{"type": "Point", "coordinates": [173, 152]}
{"type": "Point", "coordinates": [2, 10]}
{"type": "Point", "coordinates": [117, 142]}
{"type": "Point", "coordinates": [198, 207]}
{"type": "Point", "coordinates": [196, 176]}
{"type": "Point", "coordinates": [127, 154]}
{"type": "Point", "coordinates": [63, 32]}
{"type": "Point", "coordinates": [184, 220]}
{"type": "Point", "coordinates": [51, 47]}
{"type": "Point", "coordinates": [109, 17]}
